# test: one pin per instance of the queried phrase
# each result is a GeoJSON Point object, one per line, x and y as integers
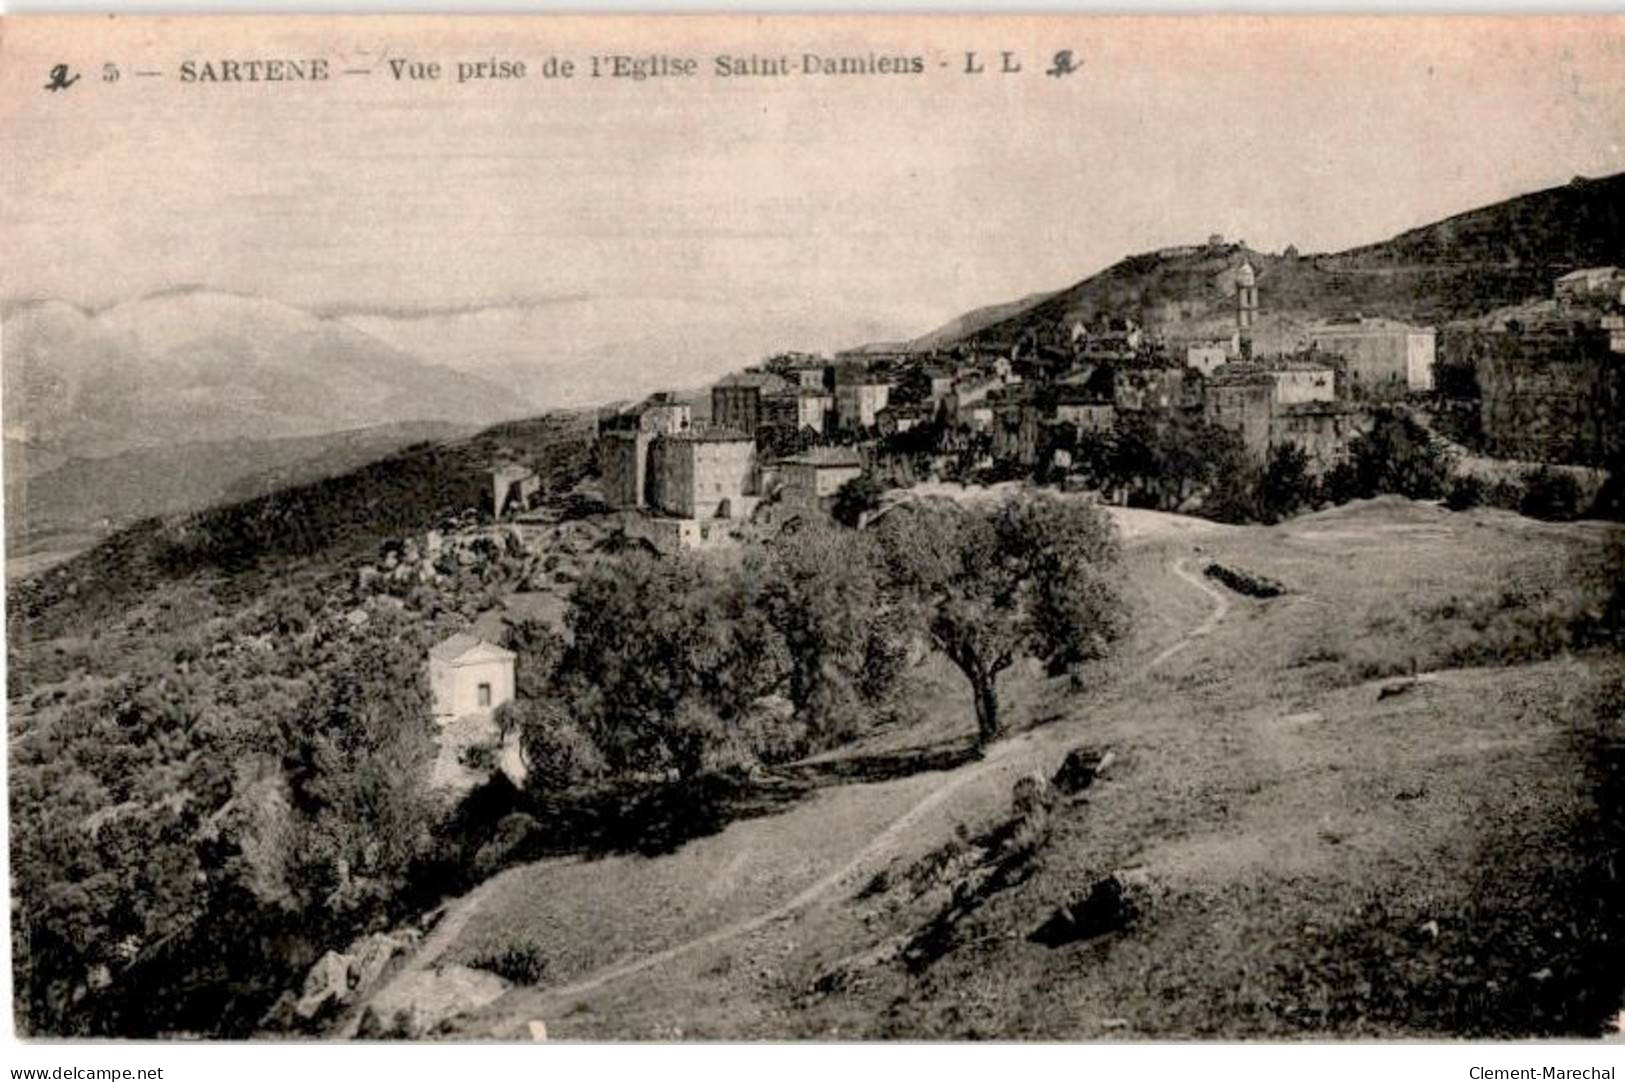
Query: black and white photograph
{"type": "Point", "coordinates": [817, 530]}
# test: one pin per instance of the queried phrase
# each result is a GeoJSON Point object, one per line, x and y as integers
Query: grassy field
{"type": "Point", "coordinates": [1385, 803]}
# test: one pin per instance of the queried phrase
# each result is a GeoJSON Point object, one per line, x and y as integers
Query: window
{"type": "Point", "coordinates": [485, 694]}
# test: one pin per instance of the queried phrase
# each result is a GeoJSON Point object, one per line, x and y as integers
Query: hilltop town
{"type": "Point", "coordinates": [780, 439]}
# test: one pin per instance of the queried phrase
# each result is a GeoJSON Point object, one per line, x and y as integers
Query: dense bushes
{"type": "Point", "coordinates": [1244, 582]}
{"type": "Point", "coordinates": [520, 963]}
{"type": "Point", "coordinates": [1396, 456]}
{"type": "Point", "coordinates": [1465, 493]}
{"type": "Point", "coordinates": [677, 667]}
{"type": "Point", "coordinates": [1550, 495]}
{"type": "Point", "coordinates": [187, 838]}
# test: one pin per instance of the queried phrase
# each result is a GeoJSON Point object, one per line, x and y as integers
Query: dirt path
{"type": "Point", "coordinates": [1221, 607]}
{"type": "Point", "coordinates": [877, 850]}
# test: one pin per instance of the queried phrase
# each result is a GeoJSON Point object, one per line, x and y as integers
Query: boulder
{"type": "Point", "coordinates": [1109, 904]}
{"type": "Point", "coordinates": [326, 988]}
{"type": "Point", "coordinates": [1080, 768]}
{"type": "Point", "coordinates": [370, 955]}
{"type": "Point", "coordinates": [419, 1003]}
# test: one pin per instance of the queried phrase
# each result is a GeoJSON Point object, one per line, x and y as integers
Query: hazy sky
{"type": "Point", "coordinates": [840, 207]}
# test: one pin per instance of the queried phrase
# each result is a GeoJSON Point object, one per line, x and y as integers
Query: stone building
{"type": "Point", "coordinates": [1384, 358]}
{"type": "Point", "coordinates": [858, 398]}
{"type": "Point", "coordinates": [1290, 382]}
{"type": "Point", "coordinates": [624, 444]}
{"type": "Point", "coordinates": [468, 675]}
{"type": "Point", "coordinates": [1243, 404]}
{"type": "Point", "coordinates": [1148, 387]}
{"type": "Point", "coordinates": [895, 419]}
{"type": "Point", "coordinates": [800, 407]}
{"type": "Point", "coordinates": [941, 384]}
{"type": "Point", "coordinates": [708, 474]}
{"type": "Point", "coordinates": [1205, 356]}
{"type": "Point", "coordinates": [1590, 284]}
{"type": "Point", "coordinates": [1084, 414]}
{"type": "Point", "coordinates": [1246, 303]}
{"type": "Point", "coordinates": [1322, 429]}
{"type": "Point", "coordinates": [806, 370]}
{"type": "Point", "coordinates": [1266, 406]}
{"type": "Point", "coordinates": [1302, 381]}
{"type": "Point", "coordinates": [662, 412]}
{"type": "Point", "coordinates": [1016, 428]}
{"type": "Point", "coordinates": [737, 401]}
{"type": "Point", "coordinates": [806, 479]}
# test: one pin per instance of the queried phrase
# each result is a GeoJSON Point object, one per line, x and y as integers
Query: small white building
{"type": "Point", "coordinates": [468, 675]}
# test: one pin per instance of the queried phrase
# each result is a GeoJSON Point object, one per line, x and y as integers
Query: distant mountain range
{"type": "Point", "coordinates": [180, 398]}
{"type": "Point", "coordinates": [192, 365]}
{"type": "Point", "coordinates": [1461, 267]}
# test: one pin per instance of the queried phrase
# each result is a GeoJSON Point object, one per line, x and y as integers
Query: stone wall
{"type": "Point", "coordinates": [1551, 393]}
{"type": "Point", "coordinates": [622, 464]}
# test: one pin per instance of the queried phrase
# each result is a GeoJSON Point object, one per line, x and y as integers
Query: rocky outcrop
{"type": "Point", "coordinates": [419, 1004]}
{"type": "Point", "coordinates": [341, 978]}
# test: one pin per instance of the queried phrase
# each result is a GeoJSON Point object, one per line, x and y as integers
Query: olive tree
{"type": "Point", "coordinates": [1033, 576]}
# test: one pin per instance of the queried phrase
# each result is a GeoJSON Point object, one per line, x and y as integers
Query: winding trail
{"type": "Point", "coordinates": [878, 847]}
{"type": "Point", "coordinates": [1221, 607]}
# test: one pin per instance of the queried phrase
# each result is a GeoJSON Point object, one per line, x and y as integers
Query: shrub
{"type": "Point", "coordinates": [1286, 486]}
{"type": "Point", "coordinates": [519, 963]}
{"type": "Point", "coordinates": [1550, 495]}
{"type": "Point", "coordinates": [856, 498]}
{"type": "Point", "coordinates": [1244, 582]}
{"type": "Point", "coordinates": [518, 837]}
{"type": "Point", "coordinates": [1466, 492]}
{"type": "Point", "coordinates": [1397, 456]}
{"type": "Point", "coordinates": [560, 753]}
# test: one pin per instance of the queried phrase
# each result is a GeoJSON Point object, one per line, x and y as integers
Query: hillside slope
{"type": "Point", "coordinates": [59, 510]}
{"type": "Point", "coordinates": [1321, 844]}
{"type": "Point", "coordinates": [1463, 266]}
{"type": "Point", "coordinates": [315, 525]}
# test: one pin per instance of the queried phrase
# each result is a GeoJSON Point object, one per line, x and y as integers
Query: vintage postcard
{"type": "Point", "coordinates": [815, 529]}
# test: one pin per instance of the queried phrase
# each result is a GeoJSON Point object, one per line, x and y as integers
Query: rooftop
{"type": "Point", "coordinates": [825, 458]}
{"type": "Point", "coordinates": [457, 647]}
{"type": "Point", "coordinates": [1588, 272]}
{"type": "Point", "coordinates": [713, 435]}
{"type": "Point", "coordinates": [766, 381]}
{"type": "Point", "coordinates": [1366, 325]}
